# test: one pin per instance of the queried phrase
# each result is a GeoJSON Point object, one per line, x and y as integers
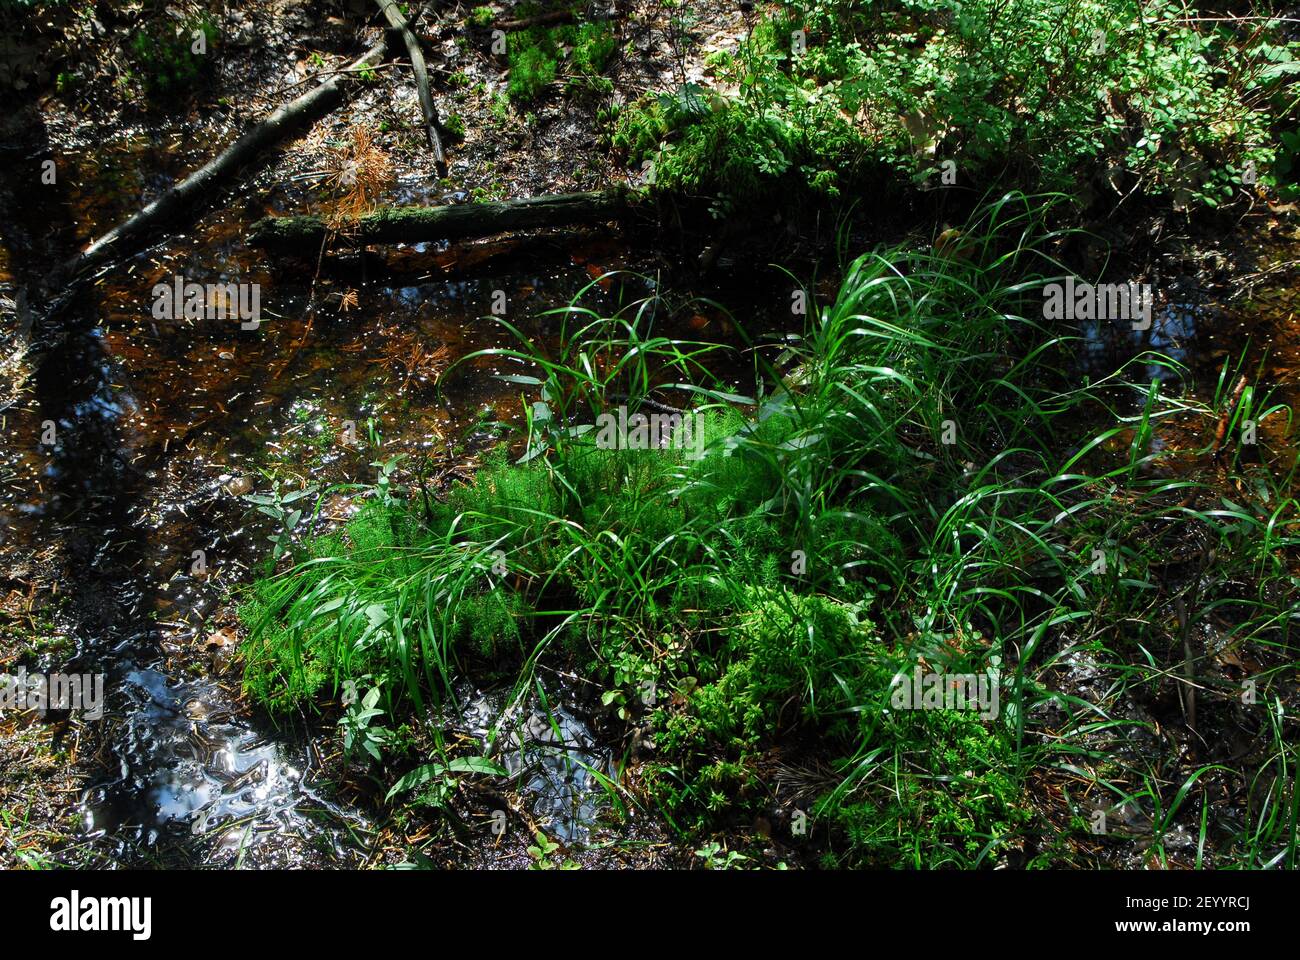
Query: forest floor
{"type": "Point", "coordinates": [70, 790]}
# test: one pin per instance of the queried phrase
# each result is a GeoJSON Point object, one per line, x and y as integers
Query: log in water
{"type": "Point", "coordinates": [417, 224]}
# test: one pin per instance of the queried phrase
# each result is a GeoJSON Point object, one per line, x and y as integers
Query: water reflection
{"type": "Point", "coordinates": [1108, 343]}
{"type": "Point", "coordinates": [547, 748]}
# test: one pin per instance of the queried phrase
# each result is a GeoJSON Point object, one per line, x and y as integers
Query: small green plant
{"type": "Point", "coordinates": [715, 858]}
{"type": "Point", "coordinates": [385, 490]}
{"type": "Point", "coordinates": [500, 107]}
{"type": "Point", "coordinates": [171, 59]}
{"type": "Point", "coordinates": [436, 780]}
{"type": "Point", "coordinates": [357, 723]}
{"type": "Point", "coordinates": [541, 851]}
{"type": "Point", "coordinates": [635, 679]}
{"type": "Point", "coordinates": [278, 505]}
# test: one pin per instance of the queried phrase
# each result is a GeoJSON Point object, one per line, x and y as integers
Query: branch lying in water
{"type": "Point", "coordinates": [186, 195]}
{"type": "Point", "coordinates": [431, 224]}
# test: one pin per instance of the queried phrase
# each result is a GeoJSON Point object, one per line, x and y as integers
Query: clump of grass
{"type": "Point", "coordinates": [921, 481]}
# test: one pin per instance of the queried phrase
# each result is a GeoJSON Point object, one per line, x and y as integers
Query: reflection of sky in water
{"type": "Point", "coordinates": [192, 768]}
{"type": "Point", "coordinates": [104, 406]}
{"type": "Point", "coordinates": [1108, 342]}
{"type": "Point", "coordinates": [102, 400]}
{"type": "Point", "coordinates": [1171, 330]}
{"type": "Point", "coordinates": [549, 755]}
{"type": "Point", "coordinates": [476, 297]}
{"type": "Point", "coordinates": [408, 297]}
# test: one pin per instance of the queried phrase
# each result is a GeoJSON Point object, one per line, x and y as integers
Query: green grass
{"type": "Point", "coordinates": [830, 539]}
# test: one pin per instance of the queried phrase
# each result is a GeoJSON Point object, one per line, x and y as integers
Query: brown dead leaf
{"type": "Point", "coordinates": [219, 640]}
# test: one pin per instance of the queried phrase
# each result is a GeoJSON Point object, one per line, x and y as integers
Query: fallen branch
{"type": "Point", "coordinates": [282, 122]}
{"type": "Point", "coordinates": [425, 224]}
{"type": "Point", "coordinates": [431, 121]}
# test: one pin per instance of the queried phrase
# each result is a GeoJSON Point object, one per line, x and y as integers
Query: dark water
{"type": "Point", "coordinates": [160, 426]}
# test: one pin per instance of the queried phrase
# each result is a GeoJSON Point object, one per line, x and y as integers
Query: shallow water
{"type": "Point", "coordinates": [159, 427]}
{"type": "Point", "coordinates": [296, 405]}
{"type": "Point", "coordinates": [548, 748]}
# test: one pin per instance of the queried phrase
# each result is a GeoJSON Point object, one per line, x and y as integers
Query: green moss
{"type": "Point", "coordinates": [490, 623]}
{"type": "Point", "coordinates": [532, 70]}
{"type": "Point", "coordinates": [949, 794]}
{"type": "Point", "coordinates": [594, 46]}
{"type": "Point", "coordinates": [783, 654]}
{"type": "Point", "coordinates": [536, 53]}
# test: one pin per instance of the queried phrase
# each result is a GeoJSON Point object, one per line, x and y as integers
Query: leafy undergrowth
{"type": "Point", "coordinates": [538, 54]}
{"type": "Point", "coordinates": [922, 489]}
{"type": "Point", "coordinates": [1093, 96]}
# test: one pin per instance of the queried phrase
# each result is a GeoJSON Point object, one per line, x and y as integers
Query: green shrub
{"type": "Point", "coordinates": [1035, 95]}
